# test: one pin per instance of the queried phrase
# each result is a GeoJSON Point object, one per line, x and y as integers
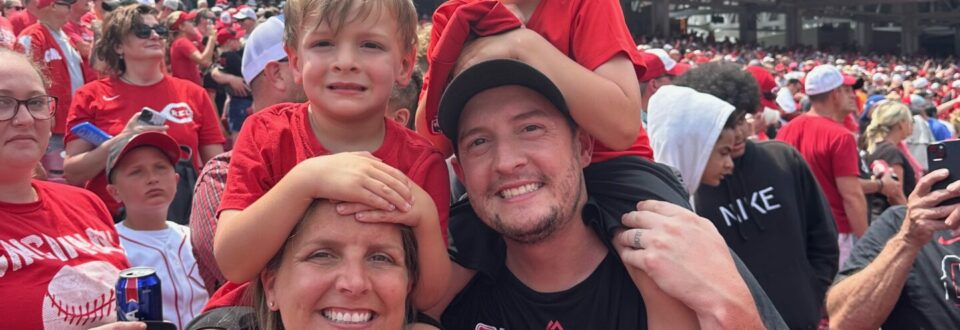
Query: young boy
{"type": "Point", "coordinates": [141, 175]}
{"type": "Point", "coordinates": [694, 133]}
{"type": "Point", "coordinates": [338, 145]}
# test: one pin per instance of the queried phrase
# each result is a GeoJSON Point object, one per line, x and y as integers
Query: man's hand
{"type": "Point", "coordinates": [687, 258]}
{"type": "Point", "coordinates": [238, 86]}
{"type": "Point", "coordinates": [924, 217]}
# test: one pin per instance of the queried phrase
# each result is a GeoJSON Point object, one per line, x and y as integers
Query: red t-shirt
{"type": "Point", "coordinates": [109, 103]}
{"type": "Point", "coordinates": [582, 30]}
{"type": "Point", "coordinates": [276, 139]}
{"type": "Point", "coordinates": [7, 37]}
{"type": "Point", "coordinates": [831, 151]}
{"type": "Point", "coordinates": [60, 259]}
{"type": "Point", "coordinates": [39, 44]}
{"type": "Point", "coordinates": [22, 21]}
{"type": "Point", "coordinates": [180, 63]}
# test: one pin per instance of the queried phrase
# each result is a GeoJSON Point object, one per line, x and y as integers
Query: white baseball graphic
{"type": "Point", "coordinates": [81, 296]}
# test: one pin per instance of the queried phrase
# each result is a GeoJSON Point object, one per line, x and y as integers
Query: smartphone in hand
{"type": "Point", "coordinates": [151, 117]}
{"type": "Point", "coordinates": [945, 155]}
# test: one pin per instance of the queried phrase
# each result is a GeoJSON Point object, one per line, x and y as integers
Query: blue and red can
{"type": "Point", "coordinates": [139, 297]}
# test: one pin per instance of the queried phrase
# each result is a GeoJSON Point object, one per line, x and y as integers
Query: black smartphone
{"type": "Point", "coordinates": [160, 325]}
{"type": "Point", "coordinates": [945, 155]}
{"type": "Point", "coordinates": [151, 118]}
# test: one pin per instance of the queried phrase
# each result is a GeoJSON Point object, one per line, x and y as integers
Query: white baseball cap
{"type": "Point", "coordinates": [264, 44]}
{"type": "Point", "coordinates": [171, 4]}
{"type": "Point", "coordinates": [825, 78]}
{"type": "Point", "coordinates": [921, 83]}
{"type": "Point", "coordinates": [245, 13]}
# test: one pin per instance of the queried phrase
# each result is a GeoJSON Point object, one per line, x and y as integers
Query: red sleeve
{"type": "Point", "coordinates": [248, 177]}
{"type": "Point", "coordinates": [599, 34]}
{"type": "Point", "coordinates": [81, 110]}
{"type": "Point", "coordinates": [845, 157]}
{"type": "Point", "coordinates": [210, 132]}
{"type": "Point", "coordinates": [32, 45]}
{"type": "Point", "coordinates": [183, 46]}
{"type": "Point", "coordinates": [431, 174]}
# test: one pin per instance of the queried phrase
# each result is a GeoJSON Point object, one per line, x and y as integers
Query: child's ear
{"type": "Point", "coordinates": [112, 190]}
{"type": "Point", "coordinates": [401, 116]}
{"type": "Point", "coordinates": [408, 63]}
{"type": "Point", "coordinates": [295, 65]}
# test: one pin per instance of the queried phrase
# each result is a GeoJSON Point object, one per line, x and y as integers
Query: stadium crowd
{"type": "Point", "coordinates": [503, 164]}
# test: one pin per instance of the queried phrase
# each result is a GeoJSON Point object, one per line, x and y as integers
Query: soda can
{"type": "Point", "coordinates": [139, 296]}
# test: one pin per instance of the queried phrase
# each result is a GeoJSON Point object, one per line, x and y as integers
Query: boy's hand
{"type": "Point", "coordinates": [357, 177]}
{"type": "Point", "coordinates": [421, 201]}
{"type": "Point", "coordinates": [500, 46]}
{"type": "Point", "coordinates": [134, 126]}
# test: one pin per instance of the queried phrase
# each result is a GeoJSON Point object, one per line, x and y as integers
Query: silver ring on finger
{"type": "Point", "coordinates": [636, 240]}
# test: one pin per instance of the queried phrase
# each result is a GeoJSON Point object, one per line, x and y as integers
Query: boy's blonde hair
{"type": "Point", "coordinates": [337, 14]}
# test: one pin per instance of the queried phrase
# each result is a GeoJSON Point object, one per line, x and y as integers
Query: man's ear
{"type": "Point", "coordinates": [268, 278]}
{"type": "Point", "coordinates": [408, 63]}
{"type": "Point", "coordinates": [295, 65]}
{"type": "Point", "coordinates": [271, 73]}
{"type": "Point", "coordinates": [586, 147]}
{"type": "Point", "coordinates": [457, 168]}
{"type": "Point", "coordinates": [401, 116]}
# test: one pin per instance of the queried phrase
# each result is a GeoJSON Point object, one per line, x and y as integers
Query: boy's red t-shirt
{"type": "Point", "coordinates": [276, 139]}
{"type": "Point", "coordinates": [180, 63]}
{"type": "Point", "coordinates": [582, 30]}
{"type": "Point", "coordinates": [109, 103]}
{"type": "Point", "coordinates": [831, 151]}
{"type": "Point", "coordinates": [60, 259]}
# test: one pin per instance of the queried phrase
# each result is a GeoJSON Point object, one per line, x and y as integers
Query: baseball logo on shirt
{"type": "Point", "coordinates": [179, 113]}
{"type": "Point", "coordinates": [81, 296]}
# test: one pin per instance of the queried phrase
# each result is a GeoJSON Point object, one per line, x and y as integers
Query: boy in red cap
{"type": "Point", "coordinates": [141, 175]}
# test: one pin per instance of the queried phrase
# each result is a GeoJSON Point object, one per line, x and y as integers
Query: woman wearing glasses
{"type": "Point", "coordinates": [132, 50]}
{"type": "Point", "coordinates": [61, 257]}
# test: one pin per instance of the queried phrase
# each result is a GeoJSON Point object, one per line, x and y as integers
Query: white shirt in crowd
{"type": "Point", "coordinates": [170, 253]}
{"type": "Point", "coordinates": [785, 100]}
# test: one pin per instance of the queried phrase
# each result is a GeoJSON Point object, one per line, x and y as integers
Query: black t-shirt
{"type": "Point", "coordinates": [495, 298]}
{"type": "Point", "coordinates": [607, 299]}
{"type": "Point", "coordinates": [232, 63]}
{"type": "Point", "coordinates": [772, 213]}
{"type": "Point", "coordinates": [929, 299]}
{"type": "Point", "coordinates": [893, 156]}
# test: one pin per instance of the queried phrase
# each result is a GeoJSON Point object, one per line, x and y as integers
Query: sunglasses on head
{"type": "Point", "coordinates": [143, 31]}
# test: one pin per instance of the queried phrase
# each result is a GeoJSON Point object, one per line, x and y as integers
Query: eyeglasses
{"type": "Point", "coordinates": [65, 2]}
{"type": "Point", "coordinates": [39, 107]}
{"type": "Point", "coordinates": [17, 8]}
{"type": "Point", "coordinates": [143, 31]}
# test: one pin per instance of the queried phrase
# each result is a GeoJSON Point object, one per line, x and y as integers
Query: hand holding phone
{"type": "Point", "coordinates": [151, 117]}
{"type": "Point", "coordinates": [945, 155]}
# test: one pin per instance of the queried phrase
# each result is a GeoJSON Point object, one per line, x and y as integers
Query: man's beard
{"type": "Point", "coordinates": [546, 225]}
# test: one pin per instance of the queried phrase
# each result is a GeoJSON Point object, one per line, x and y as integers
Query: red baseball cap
{"type": "Point", "coordinates": [679, 69]}
{"type": "Point", "coordinates": [182, 17]}
{"type": "Point", "coordinates": [227, 34]}
{"type": "Point", "coordinates": [163, 142]}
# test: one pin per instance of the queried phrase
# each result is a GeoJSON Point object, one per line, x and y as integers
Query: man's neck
{"type": "Point", "coordinates": [54, 25]}
{"type": "Point", "coordinates": [337, 136]}
{"type": "Point", "coordinates": [560, 262]}
{"type": "Point", "coordinates": [828, 112]}
{"type": "Point", "coordinates": [146, 219]}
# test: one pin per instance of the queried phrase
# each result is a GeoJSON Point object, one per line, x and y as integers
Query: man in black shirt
{"type": "Point", "coordinates": [521, 158]}
{"type": "Point", "coordinates": [905, 271]}
{"type": "Point", "coordinates": [770, 210]}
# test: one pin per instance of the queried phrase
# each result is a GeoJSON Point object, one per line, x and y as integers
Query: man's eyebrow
{"type": "Point", "coordinates": [533, 113]}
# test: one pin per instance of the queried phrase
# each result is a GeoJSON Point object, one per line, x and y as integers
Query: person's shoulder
{"type": "Point", "coordinates": [66, 193]}
{"type": "Point", "coordinates": [410, 140]}
{"type": "Point", "coordinates": [185, 86]}
{"type": "Point", "coordinates": [279, 113]}
{"type": "Point", "coordinates": [102, 84]}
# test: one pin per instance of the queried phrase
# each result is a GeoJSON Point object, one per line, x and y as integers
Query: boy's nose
{"type": "Point", "coordinates": [345, 60]}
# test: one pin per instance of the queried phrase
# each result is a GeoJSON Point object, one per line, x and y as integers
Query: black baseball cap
{"type": "Point", "coordinates": [487, 75]}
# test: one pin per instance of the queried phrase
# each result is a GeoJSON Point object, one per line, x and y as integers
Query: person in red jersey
{"type": "Point", "coordinates": [47, 44]}
{"type": "Point", "coordinates": [59, 252]}
{"type": "Point", "coordinates": [185, 58]}
{"type": "Point", "coordinates": [132, 49]}
{"type": "Point", "coordinates": [25, 17]}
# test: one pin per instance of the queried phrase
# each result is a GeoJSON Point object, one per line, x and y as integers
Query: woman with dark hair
{"type": "Point", "coordinates": [335, 271]}
{"type": "Point", "coordinates": [132, 50]}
